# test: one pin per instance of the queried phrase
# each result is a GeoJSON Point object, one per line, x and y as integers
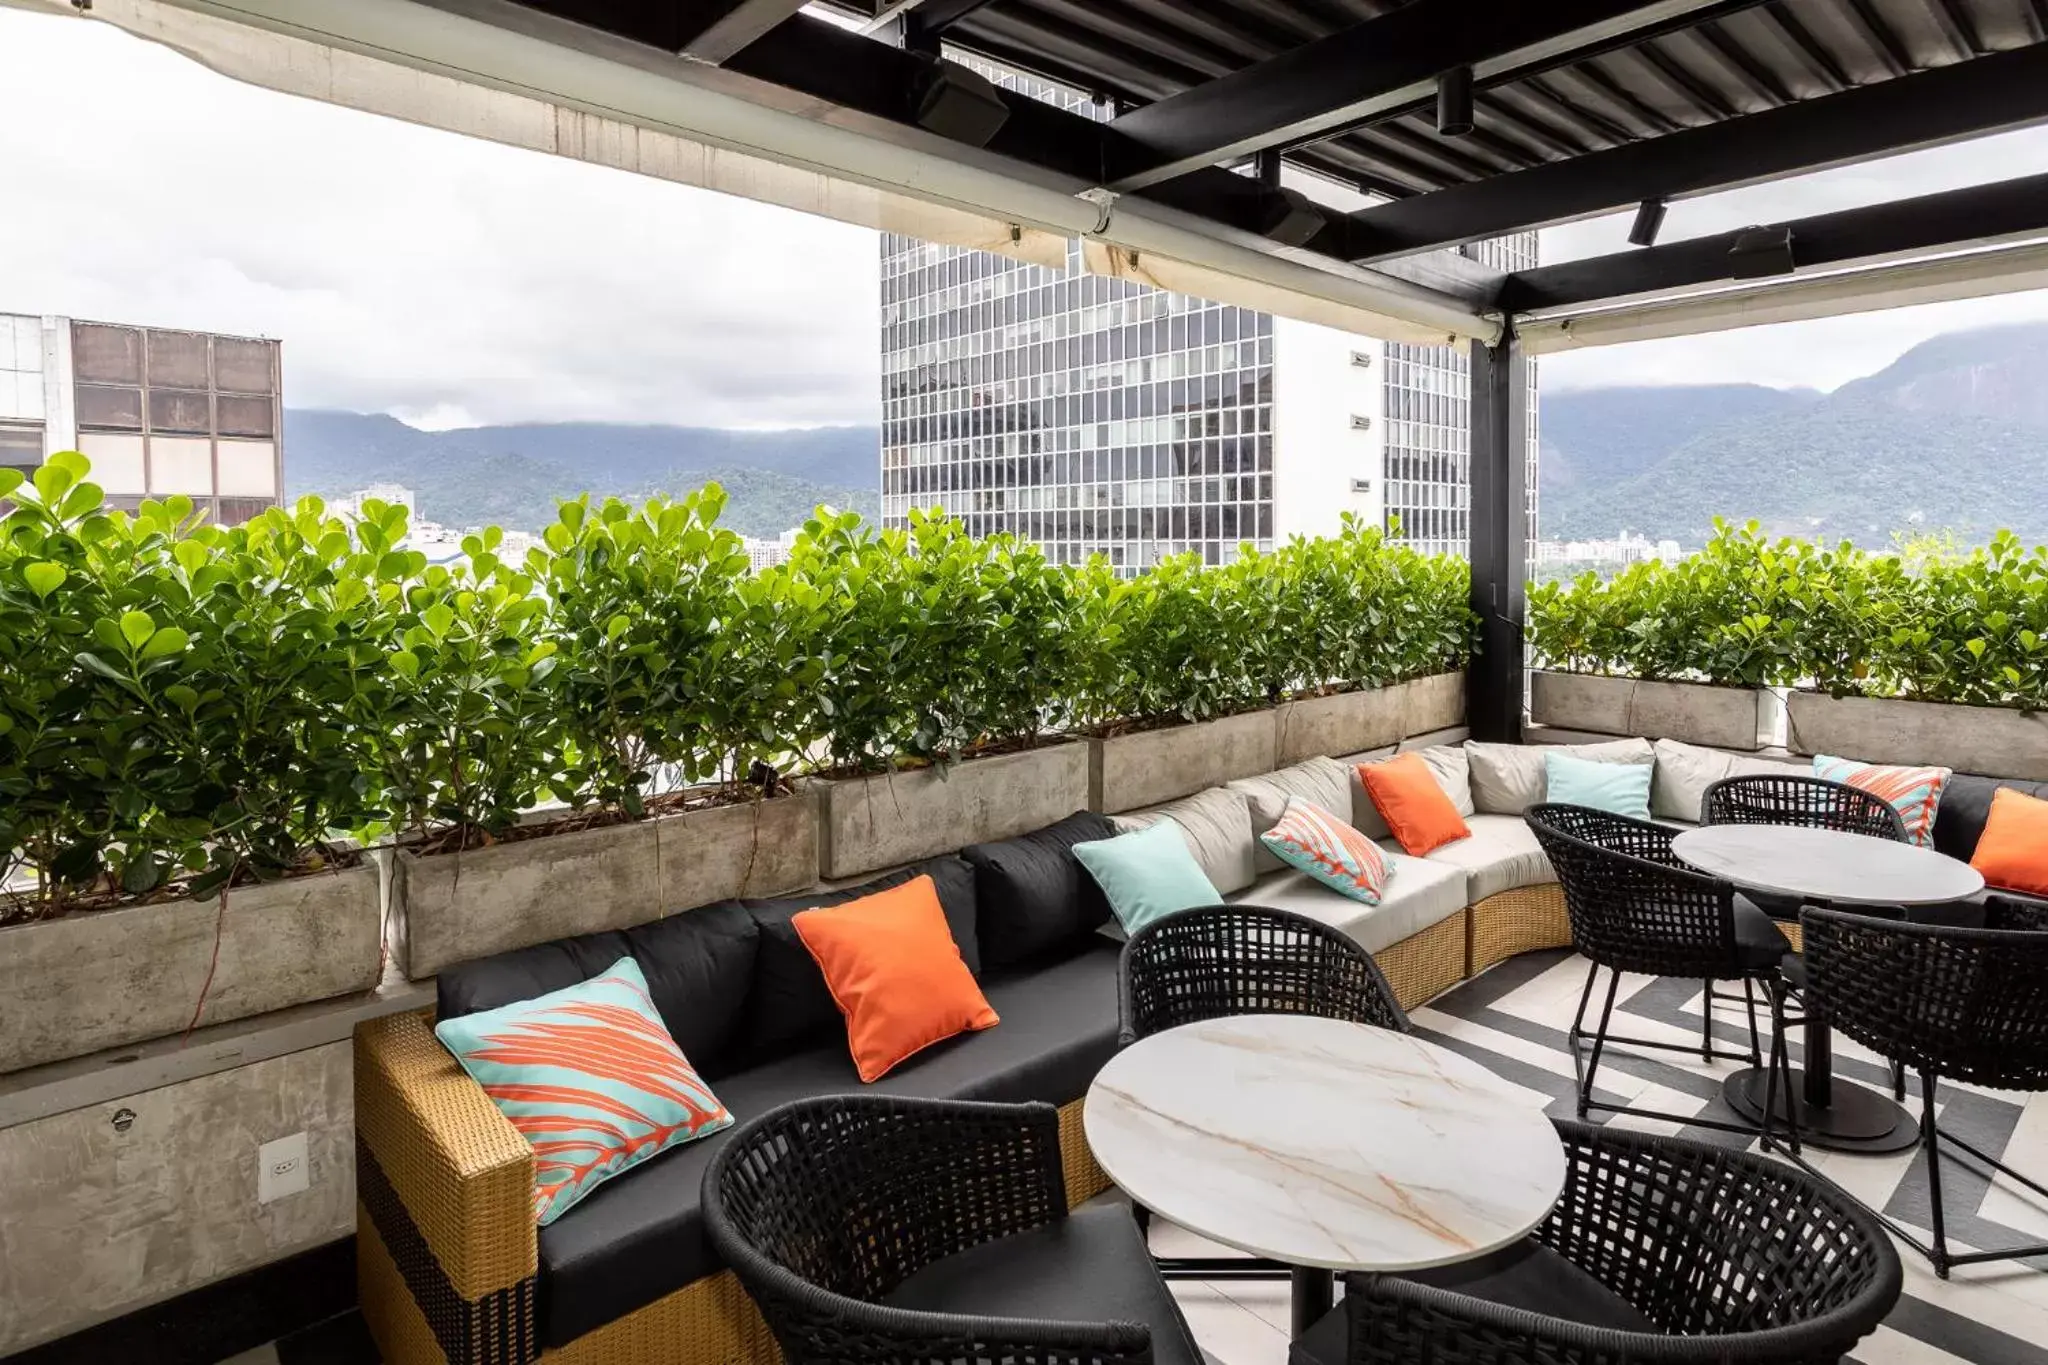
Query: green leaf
{"type": "Point", "coordinates": [96, 664]}
{"type": "Point", "coordinates": [10, 479]}
{"type": "Point", "coordinates": [43, 577]}
{"type": "Point", "coordinates": [136, 628]}
{"type": "Point", "coordinates": [166, 642]}
{"type": "Point", "coordinates": [438, 619]}
{"type": "Point", "coordinates": [404, 663]}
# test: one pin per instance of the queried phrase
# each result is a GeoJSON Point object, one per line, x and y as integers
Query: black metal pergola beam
{"type": "Point", "coordinates": [1928, 222]}
{"type": "Point", "coordinates": [1336, 82]}
{"type": "Point", "coordinates": [734, 24]}
{"type": "Point", "coordinates": [2001, 91]}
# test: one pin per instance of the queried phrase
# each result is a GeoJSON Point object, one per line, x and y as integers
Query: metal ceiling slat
{"type": "Point", "coordinates": [1799, 40]}
{"type": "Point", "coordinates": [1674, 76]}
{"type": "Point", "coordinates": [1118, 24]}
{"type": "Point", "coordinates": [1538, 128]}
{"type": "Point", "coordinates": [1606, 132]}
{"type": "Point", "coordinates": [1604, 84]}
{"type": "Point", "coordinates": [1884, 43]}
{"type": "Point", "coordinates": [2037, 19]}
{"type": "Point", "coordinates": [1956, 27]}
{"type": "Point", "coordinates": [1741, 63]}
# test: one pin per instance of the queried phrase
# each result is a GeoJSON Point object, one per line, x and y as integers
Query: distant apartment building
{"type": "Point", "coordinates": [763, 553]}
{"type": "Point", "coordinates": [1626, 548]}
{"type": "Point", "coordinates": [158, 411]}
{"type": "Point", "coordinates": [1098, 416]}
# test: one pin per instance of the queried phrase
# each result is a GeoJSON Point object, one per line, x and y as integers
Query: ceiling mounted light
{"type": "Point", "coordinates": [1649, 222]}
{"type": "Point", "coordinates": [1454, 102]}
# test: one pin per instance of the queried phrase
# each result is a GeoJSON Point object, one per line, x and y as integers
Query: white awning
{"type": "Point", "coordinates": [490, 69]}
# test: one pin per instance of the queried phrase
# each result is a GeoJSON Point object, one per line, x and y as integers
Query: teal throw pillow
{"type": "Point", "coordinates": [1148, 874]}
{"type": "Point", "coordinates": [1618, 788]}
{"type": "Point", "coordinates": [590, 1077]}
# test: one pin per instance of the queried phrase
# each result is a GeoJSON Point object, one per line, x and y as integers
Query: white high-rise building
{"type": "Point", "coordinates": [1098, 416]}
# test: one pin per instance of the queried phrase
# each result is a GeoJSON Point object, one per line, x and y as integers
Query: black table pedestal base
{"type": "Point", "coordinates": [1854, 1120]}
{"type": "Point", "coordinates": [1314, 1293]}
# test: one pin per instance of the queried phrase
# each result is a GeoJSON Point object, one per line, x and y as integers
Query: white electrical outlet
{"type": "Point", "coordinates": [281, 1168]}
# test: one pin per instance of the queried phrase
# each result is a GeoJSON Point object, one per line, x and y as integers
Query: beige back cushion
{"type": "Point", "coordinates": [1319, 781]}
{"type": "Point", "coordinates": [1685, 771]}
{"type": "Point", "coordinates": [1447, 764]}
{"type": "Point", "coordinates": [1217, 824]}
{"type": "Point", "coordinates": [1507, 779]}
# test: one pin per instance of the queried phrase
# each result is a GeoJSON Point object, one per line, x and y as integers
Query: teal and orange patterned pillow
{"type": "Point", "coordinates": [1329, 850]}
{"type": "Point", "coordinates": [1915, 793]}
{"type": "Point", "coordinates": [590, 1077]}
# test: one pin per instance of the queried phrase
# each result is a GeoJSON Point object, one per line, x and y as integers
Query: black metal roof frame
{"type": "Point", "coordinates": [1578, 107]}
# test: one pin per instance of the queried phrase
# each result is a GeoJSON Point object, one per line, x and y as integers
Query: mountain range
{"type": "Point", "coordinates": [513, 475]}
{"type": "Point", "coordinates": [1953, 435]}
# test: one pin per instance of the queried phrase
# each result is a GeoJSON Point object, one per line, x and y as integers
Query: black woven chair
{"type": "Point", "coordinates": [1812, 802]}
{"type": "Point", "coordinates": [1245, 959]}
{"type": "Point", "coordinates": [1659, 1250]}
{"type": "Point", "coordinates": [873, 1228]}
{"type": "Point", "coordinates": [1225, 960]}
{"type": "Point", "coordinates": [1954, 1004]}
{"type": "Point", "coordinates": [1634, 907]}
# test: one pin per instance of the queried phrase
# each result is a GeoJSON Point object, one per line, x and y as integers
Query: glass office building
{"type": "Point", "coordinates": [1098, 416]}
{"type": "Point", "coordinates": [1094, 415]}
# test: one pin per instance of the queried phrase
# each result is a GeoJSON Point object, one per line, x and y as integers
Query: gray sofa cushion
{"type": "Point", "coordinates": [1507, 779]}
{"type": "Point", "coordinates": [1685, 771]}
{"type": "Point", "coordinates": [1965, 805]}
{"type": "Point", "coordinates": [1447, 764]}
{"type": "Point", "coordinates": [1217, 824]}
{"type": "Point", "coordinates": [1420, 893]}
{"type": "Point", "coordinates": [1320, 781]}
{"type": "Point", "coordinates": [1502, 855]}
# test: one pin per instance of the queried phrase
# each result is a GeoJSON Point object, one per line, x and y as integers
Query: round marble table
{"type": "Point", "coordinates": [1324, 1145]}
{"type": "Point", "coordinates": [1853, 871]}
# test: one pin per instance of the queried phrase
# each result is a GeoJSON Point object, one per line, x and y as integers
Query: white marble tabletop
{"type": "Point", "coordinates": [1826, 865]}
{"type": "Point", "coordinates": [1323, 1143]}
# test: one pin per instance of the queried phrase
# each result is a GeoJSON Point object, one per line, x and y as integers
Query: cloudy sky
{"type": "Point", "coordinates": [453, 282]}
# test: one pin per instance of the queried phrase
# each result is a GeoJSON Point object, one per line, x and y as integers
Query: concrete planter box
{"type": "Point", "coordinates": [108, 978]}
{"type": "Point", "coordinates": [1722, 717]}
{"type": "Point", "coordinates": [866, 823]}
{"type": "Point", "coordinates": [1433, 703]}
{"type": "Point", "coordinates": [453, 907]}
{"type": "Point", "coordinates": [1146, 767]}
{"type": "Point", "coordinates": [1972, 739]}
{"type": "Point", "coordinates": [1354, 722]}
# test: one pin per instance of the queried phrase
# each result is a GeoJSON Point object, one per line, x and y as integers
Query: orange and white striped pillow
{"type": "Point", "coordinates": [1915, 793]}
{"type": "Point", "coordinates": [1329, 850]}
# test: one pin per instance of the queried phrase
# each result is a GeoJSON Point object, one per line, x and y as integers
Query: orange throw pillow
{"type": "Point", "coordinates": [1416, 809]}
{"type": "Point", "coordinates": [895, 973]}
{"type": "Point", "coordinates": [2012, 853]}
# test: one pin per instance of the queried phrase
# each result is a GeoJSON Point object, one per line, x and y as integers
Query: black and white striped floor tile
{"type": "Point", "coordinates": [1513, 1020]}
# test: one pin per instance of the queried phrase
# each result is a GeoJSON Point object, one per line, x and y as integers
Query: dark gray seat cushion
{"type": "Point", "coordinates": [1091, 1266]}
{"type": "Point", "coordinates": [641, 1236]}
{"type": "Point", "coordinates": [1757, 936]}
{"type": "Point", "coordinates": [1032, 894]}
{"type": "Point", "coordinates": [1525, 1275]}
{"type": "Point", "coordinates": [1965, 805]}
{"type": "Point", "coordinates": [789, 1007]}
{"type": "Point", "coordinates": [699, 966]}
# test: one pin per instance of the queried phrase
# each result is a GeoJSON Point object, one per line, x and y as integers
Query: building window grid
{"type": "Point", "coordinates": [1092, 415]}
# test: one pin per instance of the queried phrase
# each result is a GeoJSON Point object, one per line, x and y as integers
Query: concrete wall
{"type": "Point", "coordinates": [135, 1199]}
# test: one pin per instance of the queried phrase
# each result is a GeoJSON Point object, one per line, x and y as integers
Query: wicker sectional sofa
{"type": "Point", "coordinates": [452, 1268]}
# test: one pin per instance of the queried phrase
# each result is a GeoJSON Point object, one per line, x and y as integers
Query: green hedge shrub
{"type": "Point", "coordinates": [1754, 612]}
{"type": "Point", "coordinates": [187, 705]}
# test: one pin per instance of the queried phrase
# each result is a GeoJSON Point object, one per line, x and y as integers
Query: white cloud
{"type": "Point", "coordinates": [410, 270]}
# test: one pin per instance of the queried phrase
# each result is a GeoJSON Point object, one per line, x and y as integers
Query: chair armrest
{"type": "Point", "coordinates": [458, 1175]}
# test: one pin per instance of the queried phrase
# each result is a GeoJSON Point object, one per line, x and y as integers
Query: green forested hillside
{"type": "Point", "coordinates": [1954, 435]}
{"type": "Point", "coordinates": [513, 476]}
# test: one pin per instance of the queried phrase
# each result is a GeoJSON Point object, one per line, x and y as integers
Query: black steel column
{"type": "Point", "coordinates": [1500, 537]}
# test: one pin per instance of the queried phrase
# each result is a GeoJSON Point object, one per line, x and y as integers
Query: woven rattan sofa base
{"type": "Point", "coordinates": [1427, 963]}
{"type": "Point", "coordinates": [1509, 923]}
{"type": "Point", "coordinates": [445, 1251]}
